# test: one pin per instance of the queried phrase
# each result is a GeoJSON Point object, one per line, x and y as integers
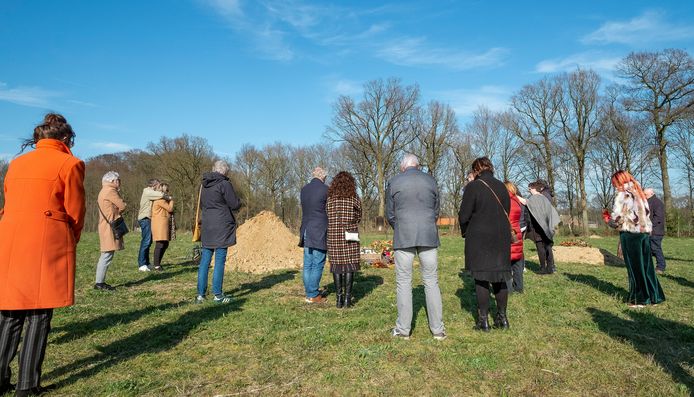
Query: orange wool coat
{"type": "Point", "coordinates": [161, 209]}
{"type": "Point", "coordinates": [40, 227]}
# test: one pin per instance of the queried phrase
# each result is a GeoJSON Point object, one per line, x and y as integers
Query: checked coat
{"type": "Point", "coordinates": [344, 214]}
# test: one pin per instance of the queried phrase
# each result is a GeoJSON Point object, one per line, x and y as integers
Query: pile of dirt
{"type": "Point", "coordinates": [587, 255]}
{"type": "Point", "coordinates": [264, 244]}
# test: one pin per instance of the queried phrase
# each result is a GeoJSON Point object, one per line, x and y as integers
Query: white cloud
{"type": "Point", "coordinates": [465, 101]}
{"type": "Point", "coordinates": [417, 52]}
{"type": "Point", "coordinates": [83, 103]}
{"type": "Point", "coordinates": [650, 27]}
{"type": "Point", "coordinates": [27, 96]}
{"type": "Point", "coordinates": [110, 146]}
{"type": "Point", "coordinates": [587, 60]}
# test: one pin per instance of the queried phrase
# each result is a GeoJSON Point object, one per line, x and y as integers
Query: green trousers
{"type": "Point", "coordinates": [644, 288]}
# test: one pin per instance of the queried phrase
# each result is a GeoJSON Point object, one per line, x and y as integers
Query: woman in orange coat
{"type": "Point", "coordinates": [161, 231]}
{"type": "Point", "coordinates": [39, 230]}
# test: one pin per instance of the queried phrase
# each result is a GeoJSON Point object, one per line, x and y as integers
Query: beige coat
{"type": "Point", "coordinates": [161, 209]}
{"type": "Point", "coordinates": [112, 205]}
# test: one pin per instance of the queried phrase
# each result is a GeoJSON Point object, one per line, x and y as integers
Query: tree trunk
{"type": "Point", "coordinates": [662, 158]}
{"type": "Point", "coordinates": [381, 186]}
{"type": "Point", "coordinates": [583, 198]}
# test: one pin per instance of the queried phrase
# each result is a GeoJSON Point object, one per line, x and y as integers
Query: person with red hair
{"type": "Point", "coordinates": [630, 215]}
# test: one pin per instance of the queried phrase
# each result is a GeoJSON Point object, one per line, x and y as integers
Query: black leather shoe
{"type": "Point", "coordinates": [5, 387]}
{"type": "Point", "coordinates": [482, 323]}
{"type": "Point", "coordinates": [349, 281]}
{"type": "Point", "coordinates": [500, 321]}
{"type": "Point", "coordinates": [103, 287]}
{"type": "Point", "coordinates": [34, 391]}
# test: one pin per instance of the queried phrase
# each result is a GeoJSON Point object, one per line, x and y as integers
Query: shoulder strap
{"type": "Point", "coordinates": [197, 209]}
{"type": "Point", "coordinates": [102, 212]}
{"type": "Point", "coordinates": [497, 200]}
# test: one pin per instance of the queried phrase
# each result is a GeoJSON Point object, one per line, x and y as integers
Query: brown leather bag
{"type": "Point", "coordinates": [197, 232]}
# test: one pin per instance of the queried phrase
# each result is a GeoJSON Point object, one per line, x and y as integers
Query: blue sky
{"type": "Point", "coordinates": [127, 72]}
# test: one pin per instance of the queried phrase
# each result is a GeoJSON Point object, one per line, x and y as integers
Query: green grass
{"type": "Point", "coordinates": [571, 334]}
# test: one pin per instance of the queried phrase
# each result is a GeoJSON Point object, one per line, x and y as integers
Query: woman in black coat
{"type": "Point", "coordinates": [484, 225]}
{"type": "Point", "coordinates": [217, 201]}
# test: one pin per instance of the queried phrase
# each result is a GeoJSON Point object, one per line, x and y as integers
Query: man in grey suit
{"type": "Point", "coordinates": [412, 207]}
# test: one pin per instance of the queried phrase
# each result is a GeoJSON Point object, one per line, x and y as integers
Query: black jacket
{"type": "Point", "coordinates": [314, 219]}
{"type": "Point", "coordinates": [217, 201]}
{"type": "Point", "coordinates": [485, 226]}
{"type": "Point", "coordinates": [657, 216]}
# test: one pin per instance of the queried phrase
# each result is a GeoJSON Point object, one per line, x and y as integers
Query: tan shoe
{"type": "Point", "coordinates": [317, 299]}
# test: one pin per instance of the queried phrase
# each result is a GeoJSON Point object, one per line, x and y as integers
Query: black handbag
{"type": "Point", "coordinates": [118, 225]}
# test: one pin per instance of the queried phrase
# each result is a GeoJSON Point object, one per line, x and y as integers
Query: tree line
{"type": "Point", "coordinates": [571, 129]}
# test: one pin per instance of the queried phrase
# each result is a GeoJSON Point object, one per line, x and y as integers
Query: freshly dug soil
{"type": "Point", "coordinates": [264, 244]}
{"type": "Point", "coordinates": [588, 255]}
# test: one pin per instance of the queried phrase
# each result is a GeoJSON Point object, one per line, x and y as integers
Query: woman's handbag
{"type": "Point", "coordinates": [514, 236]}
{"type": "Point", "coordinates": [351, 236]}
{"type": "Point", "coordinates": [118, 225]}
{"type": "Point", "coordinates": [196, 227]}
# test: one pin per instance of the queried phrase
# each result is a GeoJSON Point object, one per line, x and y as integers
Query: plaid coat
{"type": "Point", "coordinates": [344, 214]}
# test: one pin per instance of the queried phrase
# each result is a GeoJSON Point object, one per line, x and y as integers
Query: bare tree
{"type": "Point", "coordinates": [246, 164]}
{"type": "Point", "coordinates": [459, 163]}
{"type": "Point", "coordinates": [435, 127]}
{"type": "Point", "coordinates": [660, 84]}
{"type": "Point", "coordinates": [683, 141]}
{"type": "Point", "coordinates": [536, 116]}
{"type": "Point", "coordinates": [273, 174]}
{"type": "Point", "coordinates": [579, 115]}
{"type": "Point", "coordinates": [380, 126]}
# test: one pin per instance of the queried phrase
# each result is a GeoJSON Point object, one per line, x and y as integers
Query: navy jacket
{"type": "Point", "coordinates": [314, 219]}
{"type": "Point", "coordinates": [412, 207]}
{"type": "Point", "coordinates": [657, 216]}
{"type": "Point", "coordinates": [217, 201]}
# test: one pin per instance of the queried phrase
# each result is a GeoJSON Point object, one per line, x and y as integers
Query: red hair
{"type": "Point", "coordinates": [621, 178]}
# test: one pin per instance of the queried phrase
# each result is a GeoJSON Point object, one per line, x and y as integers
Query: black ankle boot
{"type": "Point", "coordinates": [349, 281]}
{"type": "Point", "coordinates": [339, 285]}
{"type": "Point", "coordinates": [482, 322]}
{"type": "Point", "coordinates": [500, 321]}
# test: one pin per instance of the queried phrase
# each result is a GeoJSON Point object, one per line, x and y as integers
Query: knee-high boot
{"type": "Point", "coordinates": [339, 285]}
{"type": "Point", "coordinates": [349, 281]}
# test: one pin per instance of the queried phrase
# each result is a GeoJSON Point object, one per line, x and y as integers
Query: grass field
{"type": "Point", "coordinates": [571, 334]}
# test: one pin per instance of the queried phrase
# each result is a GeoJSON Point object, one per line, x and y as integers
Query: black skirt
{"type": "Point", "coordinates": [492, 277]}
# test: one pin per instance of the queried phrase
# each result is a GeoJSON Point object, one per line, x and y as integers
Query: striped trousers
{"type": "Point", "coordinates": [33, 347]}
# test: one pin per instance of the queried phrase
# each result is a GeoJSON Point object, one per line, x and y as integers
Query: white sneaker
{"type": "Point", "coordinates": [144, 268]}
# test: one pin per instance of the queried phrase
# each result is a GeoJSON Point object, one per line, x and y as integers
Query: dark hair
{"type": "Point", "coordinates": [537, 185]}
{"type": "Point", "coordinates": [343, 186]}
{"type": "Point", "coordinates": [54, 126]}
{"type": "Point", "coordinates": [153, 182]}
{"type": "Point", "coordinates": [482, 164]}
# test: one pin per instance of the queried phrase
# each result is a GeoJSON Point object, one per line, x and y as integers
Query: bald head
{"type": "Point", "coordinates": [648, 192]}
{"type": "Point", "coordinates": [409, 160]}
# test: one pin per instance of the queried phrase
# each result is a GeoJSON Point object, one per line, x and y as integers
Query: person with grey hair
{"type": "Point", "coordinates": [218, 201]}
{"type": "Point", "coordinates": [144, 219]}
{"type": "Point", "coordinates": [412, 207]}
{"type": "Point", "coordinates": [657, 215]}
{"type": "Point", "coordinates": [313, 233]}
{"type": "Point", "coordinates": [111, 206]}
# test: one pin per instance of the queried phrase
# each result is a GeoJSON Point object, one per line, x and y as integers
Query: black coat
{"type": "Point", "coordinates": [657, 216]}
{"type": "Point", "coordinates": [485, 227]}
{"type": "Point", "coordinates": [314, 220]}
{"type": "Point", "coordinates": [217, 201]}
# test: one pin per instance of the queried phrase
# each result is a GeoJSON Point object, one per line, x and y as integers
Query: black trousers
{"type": "Point", "coordinates": [546, 256]}
{"type": "Point", "coordinates": [516, 283]}
{"type": "Point", "coordinates": [159, 250]}
{"type": "Point", "coordinates": [657, 251]}
{"type": "Point", "coordinates": [33, 345]}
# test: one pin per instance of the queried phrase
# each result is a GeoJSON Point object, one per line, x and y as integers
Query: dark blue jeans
{"type": "Point", "coordinates": [657, 251]}
{"type": "Point", "coordinates": [220, 256]}
{"type": "Point", "coordinates": [146, 242]}
{"type": "Point", "coordinates": [314, 261]}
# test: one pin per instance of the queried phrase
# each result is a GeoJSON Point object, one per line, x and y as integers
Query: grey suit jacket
{"type": "Point", "coordinates": [412, 207]}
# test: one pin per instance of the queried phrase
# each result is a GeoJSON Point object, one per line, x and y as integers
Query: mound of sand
{"type": "Point", "coordinates": [264, 244]}
{"type": "Point", "coordinates": [588, 255]}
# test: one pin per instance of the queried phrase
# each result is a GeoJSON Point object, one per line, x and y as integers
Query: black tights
{"type": "Point", "coordinates": [482, 289]}
{"type": "Point", "coordinates": [159, 250]}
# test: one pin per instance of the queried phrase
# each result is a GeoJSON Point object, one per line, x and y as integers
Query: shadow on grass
{"type": "Point", "coordinates": [158, 276]}
{"type": "Point", "coordinates": [679, 280]}
{"type": "Point", "coordinates": [363, 286]}
{"type": "Point", "coordinates": [533, 266]}
{"type": "Point", "coordinates": [466, 294]}
{"type": "Point", "coordinates": [678, 259]}
{"type": "Point", "coordinates": [600, 285]}
{"type": "Point", "coordinates": [264, 283]}
{"type": "Point", "coordinates": [80, 329]}
{"type": "Point", "coordinates": [671, 344]}
{"type": "Point", "coordinates": [162, 337]}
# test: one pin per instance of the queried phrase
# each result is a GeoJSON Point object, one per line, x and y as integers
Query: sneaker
{"type": "Point", "coordinates": [221, 299]}
{"type": "Point", "coordinates": [144, 268]}
{"type": "Point", "coordinates": [158, 268]}
{"type": "Point", "coordinates": [316, 299]}
{"type": "Point", "coordinates": [199, 299]}
{"type": "Point", "coordinates": [660, 271]}
{"type": "Point", "coordinates": [440, 336]}
{"type": "Point", "coordinates": [103, 287]}
{"type": "Point", "coordinates": [395, 334]}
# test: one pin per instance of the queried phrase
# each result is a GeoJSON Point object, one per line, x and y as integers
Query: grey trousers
{"type": "Point", "coordinates": [33, 346]}
{"type": "Point", "coordinates": [428, 257]}
{"type": "Point", "coordinates": [102, 266]}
